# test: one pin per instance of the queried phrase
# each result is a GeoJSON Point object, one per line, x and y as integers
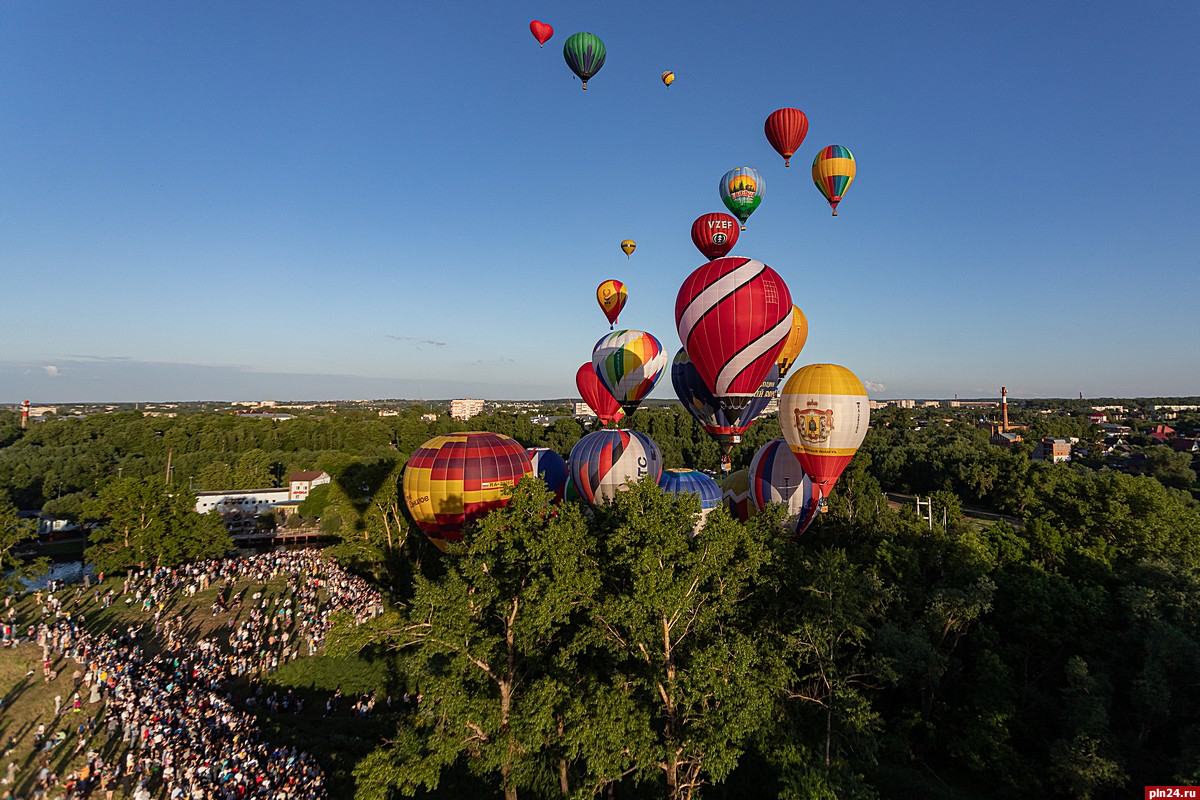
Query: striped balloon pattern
{"type": "Point", "coordinates": [833, 171]}
{"type": "Point", "coordinates": [604, 461]}
{"type": "Point", "coordinates": [785, 129]}
{"type": "Point", "coordinates": [777, 477]}
{"type": "Point", "coordinates": [629, 363]}
{"type": "Point", "coordinates": [742, 191]}
{"type": "Point", "coordinates": [735, 491]}
{"type": "Point", "coordinates": [550, 467]}
{"type": "Point", "coordinates": [456, 478]}
{"type": "Point", "coordinates": [734, 316]}
{"type": "Point", "coordinates": [684, 481]}
{"type": "Point", "coordinates": [725, 428]}
{"type": "Point", "coordinates": [584, 53]}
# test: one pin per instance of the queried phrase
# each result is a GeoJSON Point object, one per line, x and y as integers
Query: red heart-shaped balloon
{"type": "Point", "coordinates": [541, 31]}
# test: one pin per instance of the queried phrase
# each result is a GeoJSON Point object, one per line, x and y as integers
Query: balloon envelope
{"type": "Point", "coordinates": [824, 413]}
{"type": "Point", "coordinates": [735, 491]}
{"type": "Point", "coordinates": [629, 363]}
{"type": "Point", "coordinates": [584, 54]}
{"type": "Point", "coordinates": [733, 316]}
{"type": "Point", "coordinates": [724, 424]}
{"type": "Point", "coordinates": [785, 129]}
{"type": "Point", "coordinates": [628, 246]}
{"type": "Point", "coordinates": [714, 234]}
{"type": "Point", "coordinates": [541, 31]}
{"type": "Point", "coordinates": [602, 462]}
{"type": "Point", "coordinates": [776, 476]}
{"type": "Point", "coordinates": [668, 78]}
{"type": "Point", "coordinates": [833, 171]}
{"type": "Point", "coordinates": [597, 396]}
{"type": "Point", "coordinates": [611, 295]}
{"type": "Point", "coordinates": [550, 467]}
{"type": "Point", "coordinates": [682, 481]}
{"type": "Point", "coordinates": [742, 191]}
{"type": "Point", "coordinates": [456, 478]}
{"type": "Point", "coordinates": [795, 342]}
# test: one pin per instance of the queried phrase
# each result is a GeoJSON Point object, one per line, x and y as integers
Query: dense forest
{"type": "Point", "coordinates": [607, 652]}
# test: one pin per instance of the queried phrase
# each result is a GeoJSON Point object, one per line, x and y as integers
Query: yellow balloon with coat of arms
{"type": "Point", "coordinates": [824, 413]}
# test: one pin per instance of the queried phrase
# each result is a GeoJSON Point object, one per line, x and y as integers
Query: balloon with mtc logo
{"type": "Point", "coordinates": [605, 461]}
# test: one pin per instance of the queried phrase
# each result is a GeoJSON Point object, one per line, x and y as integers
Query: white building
{"type": "Point", "coordinates": [465, 409]}
{"type": "Point", "coordinates": [301, 483]}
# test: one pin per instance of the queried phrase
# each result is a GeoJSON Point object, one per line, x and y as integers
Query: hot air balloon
{"type": "Point", "coordinates": [541, 31]}
{"type": "Point", "coordinates": [725, 427]}
{"type": "Point", "coordinates": [741, 191]}
{"type": "Point", "coordinates": [691, 481]}
{"type": "Point", "coordinates": [602, 462]}
{"type": "Point", "coordinates": [597, 396]}
{"type": "Point", "coordinates": [795, 342]}
{"type": "Point", "coordinates": [785, 129]}
{"type": "Point", "coordinates": [456, 478]}
{"type": "Point", "coordinates": [629, 363]}
{"type": "Point", "coordinates": [833, 172]}
{"type": "Point", "coordinates": [584, 53]}
{"type": "Point", "coordinates": [735, 491]}
{"type": "Point", "coordinates": [733, 316]}
{"type": "Point", "coordinates": [668, 78]}
{"type": "Point", "coordinates": [550, 467]}
{"type": "Point", "coordinates": [570, 493]}
{"type": "Point", "coordinates": [824, 413]}
{"type": "Point", "coordinates": [611, 296]}
{"type": "Point", "coordinates": [628, 246]}
{"type": "Point", "coordinates": [777, 477]}
{"type": "Point", "coordinates": [714, 234]}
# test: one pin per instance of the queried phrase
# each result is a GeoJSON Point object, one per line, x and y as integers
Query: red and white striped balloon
{"type": "Point", "coordinates": [733, 315]}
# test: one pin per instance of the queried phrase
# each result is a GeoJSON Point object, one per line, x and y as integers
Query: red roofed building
{"type": "Point", "coordinates": [1162, 433]}
{"type": "Point", "coordinates": [302, 483]}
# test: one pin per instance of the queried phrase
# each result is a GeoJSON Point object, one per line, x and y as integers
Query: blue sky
{"type": "Point", "coordinates": [287, 200]}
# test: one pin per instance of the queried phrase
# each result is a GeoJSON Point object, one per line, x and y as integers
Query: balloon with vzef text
{"type": "Point", "coordinates": [454, 479]}
{"type": "Point", "coordinates": [714, 234]}
{"type": "Point", "coordinates": [629, 363]}
{"type": "Point", "coordinates": [604, 462]}
{"type": "Point", "coordinates": [776, 476]}
{"type": "Point", "coordinates": [597, 396]}
{"type": "Point", "coordinates": [824, 414]}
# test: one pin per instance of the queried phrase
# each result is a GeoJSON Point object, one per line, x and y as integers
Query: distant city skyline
{"type": "Point", "coordinates": [220, 200]}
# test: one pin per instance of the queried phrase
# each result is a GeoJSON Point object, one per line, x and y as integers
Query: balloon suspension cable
{"type": "Point", "coordinates": [787, 162]}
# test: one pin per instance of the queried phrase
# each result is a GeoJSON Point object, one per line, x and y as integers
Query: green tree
{"type": "Point", "coordinates": [144, 523]}
{"type": "Point", "coordinates": [679, 627]}
{"type": "Point", "coordinates": [14, 531]}
{"type": "Point", "coordinates": [253, 471]}
{"type": "Point", "coordinates": [487, 645]}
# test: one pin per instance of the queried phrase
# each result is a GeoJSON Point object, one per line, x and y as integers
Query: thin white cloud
{"type": "Point", "coordinates": [874, 386]}
{"type": "Point", "coordinates": [51, 370]}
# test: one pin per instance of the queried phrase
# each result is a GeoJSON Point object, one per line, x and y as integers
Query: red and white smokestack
{"type": "Point", "coordinates": [24, 414]}
{"type": "Point", "coordinates": [1004, 409]}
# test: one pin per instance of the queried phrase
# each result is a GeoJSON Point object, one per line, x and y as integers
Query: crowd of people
{"type": "Point", "coordinates": [182, 733]}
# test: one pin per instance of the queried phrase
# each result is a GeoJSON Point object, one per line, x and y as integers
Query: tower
{"type": "Point", "coordinates": [24, 414]}
{"type": "Point", "coordinates": [1004, 409]}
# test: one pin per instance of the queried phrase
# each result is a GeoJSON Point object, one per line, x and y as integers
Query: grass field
{"type": "Point", "coordinates": [338, 741]}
